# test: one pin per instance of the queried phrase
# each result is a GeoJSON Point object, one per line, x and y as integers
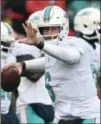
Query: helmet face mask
{"type": "Point", "coordinates": [54, 32]}
{"type": "Point", "coordinates": [87, 22]}
{"type": "Point", "coordinates": [54, 16]}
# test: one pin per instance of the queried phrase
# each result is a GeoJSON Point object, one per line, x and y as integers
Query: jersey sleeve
{"type": "Point", "coordinates": [67, 52]}
{"type": "Point", "coordinates": [36, 65]}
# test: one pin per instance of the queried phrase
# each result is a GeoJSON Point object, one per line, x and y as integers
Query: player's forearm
{"type": "Point", "coordinates": [69, 54]}
{"type": "Point", "coordinates": [35, 65]}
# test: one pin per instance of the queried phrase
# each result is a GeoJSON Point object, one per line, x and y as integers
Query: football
{"type": "Point", "coordinates": [10, 79]}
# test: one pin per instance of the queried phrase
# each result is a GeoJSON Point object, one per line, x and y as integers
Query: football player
{"type": "Point", "coordinates": [7, 40]}
{"type": "Point", "coordinates": [67, 68]}
{"type": "Point", "coordinates": [34, 104]}
{"type": "Point", "coordinates": [87, 27]}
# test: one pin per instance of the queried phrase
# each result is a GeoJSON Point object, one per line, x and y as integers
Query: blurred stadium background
{"type": "Point", "coordinates": [15, 12]}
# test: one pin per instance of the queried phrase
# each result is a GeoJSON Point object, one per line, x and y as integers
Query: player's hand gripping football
{"type": "Point", "coordinates": [31, 33]}
{"type": "Point", "coordinates": [18, 66]}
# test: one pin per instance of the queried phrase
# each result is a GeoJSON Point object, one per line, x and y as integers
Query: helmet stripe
{"type": "Point", "coordinates": [9, 30]}
{"type": "Point", "coordinates": [47, 13]}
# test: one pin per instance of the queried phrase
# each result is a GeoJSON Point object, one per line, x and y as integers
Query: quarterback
{"type": "Point", "coordinates": [34, 104]}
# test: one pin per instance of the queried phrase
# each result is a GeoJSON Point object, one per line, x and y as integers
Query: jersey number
{"type": "Point", "coordinates": [49, 88]}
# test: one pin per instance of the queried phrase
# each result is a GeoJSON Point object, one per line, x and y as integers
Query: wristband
{"type": "Point", "coordinates": [40, 45]}
{"type": "Point", "coordinates": [23, 66]}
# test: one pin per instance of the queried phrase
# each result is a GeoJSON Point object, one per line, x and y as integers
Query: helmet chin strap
{"type": "Point", "coordinates": [54, 41]}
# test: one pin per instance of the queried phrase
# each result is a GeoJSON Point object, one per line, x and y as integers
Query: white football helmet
{"type": "Point", "coordinates": [87, 21]}
{"type": "Point", "coordinates": [54, 16]}
{"type": "Point", "coordinates": [7, 34]}
{"type": "Point", "coordinates": [34, 19]}
{"type": "Point", "coordinates": [7, 38]}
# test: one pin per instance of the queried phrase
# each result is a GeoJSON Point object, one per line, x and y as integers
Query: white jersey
{"type": "Point", "coordinates": [74, 90]}
{"type": "Point", "coordinates": [6, 58]}
{"type": "Point", "coordinates": [31, 92]}
{"type": "Point", "coordinates": [23, 49]}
